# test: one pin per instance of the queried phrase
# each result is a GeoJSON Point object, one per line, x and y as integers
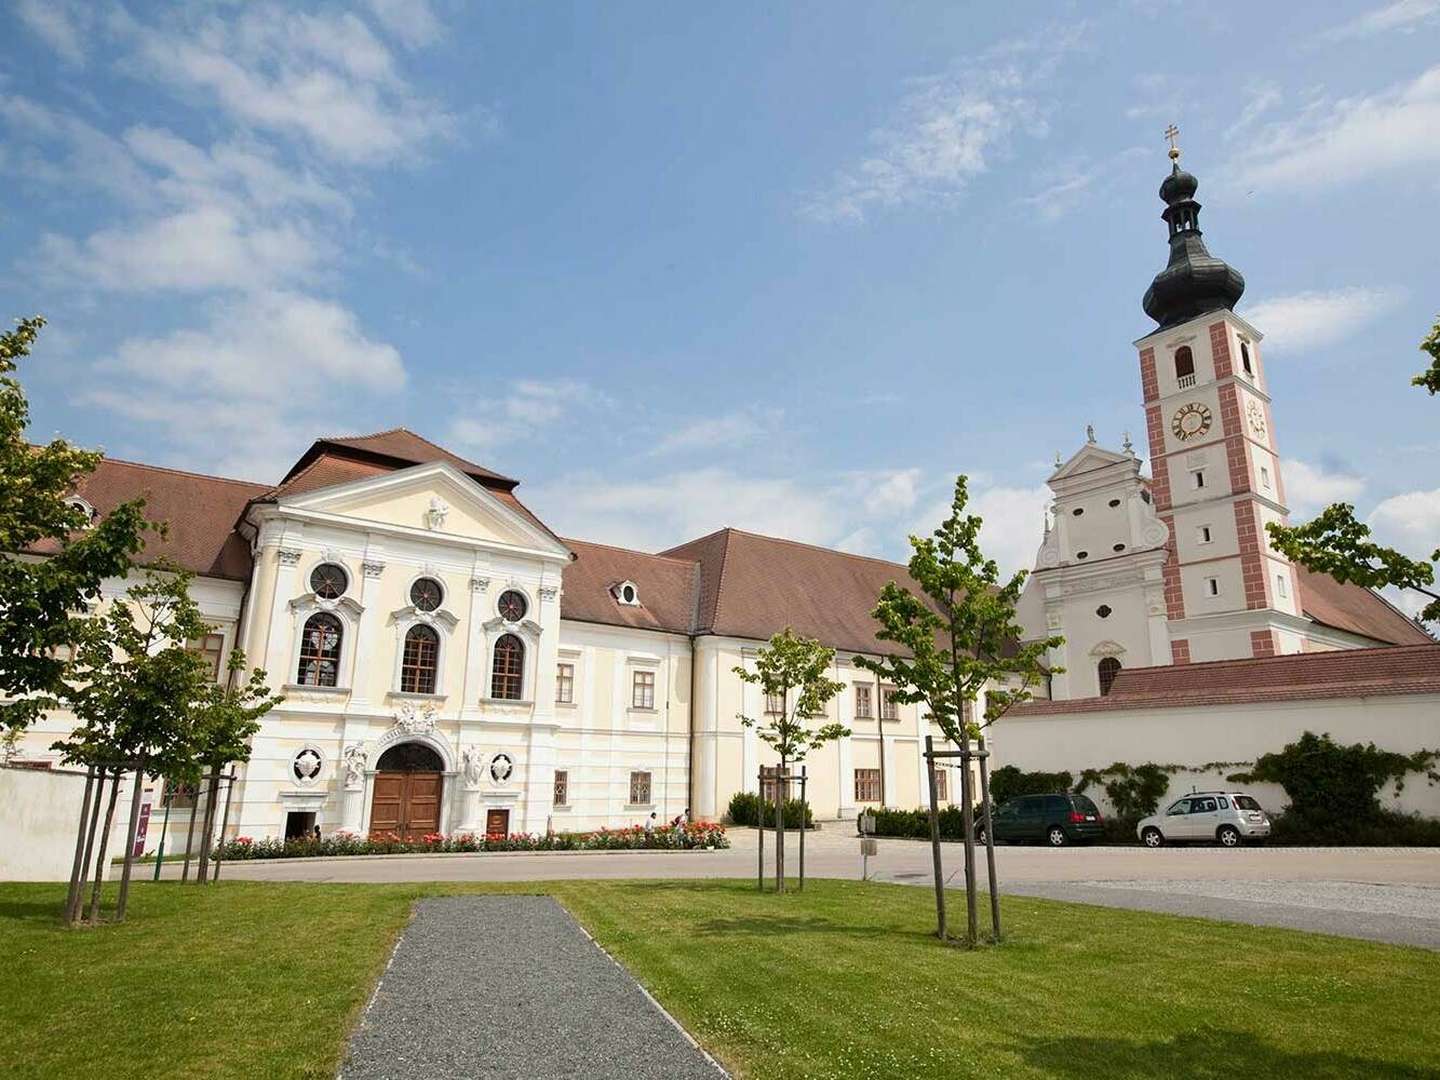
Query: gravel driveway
{"type": "Point", "coordinates": [511, 986]}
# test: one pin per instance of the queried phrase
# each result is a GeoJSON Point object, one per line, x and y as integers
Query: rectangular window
{"type": "Point", "coordinates": [942, 792]}
{"type": "Point", "coordinates": [642, 692]}
{"type": "Point", "coordinates": [178, 795]}
{"type": "Point", "coordinates": [774, 704]}
{"type": "Point", "coordinates": [867, 785]}
{"type": "Point", "coordinates": [889, 707]}
{"type": "Point", "coordinates": [211, 649]}
{"type": "Point", "coordinates": [1204, 536]}
{"type": "Point", "coordinates": [562, 788]}
{"type": "Point", "coordinates": [1212, 586]}
{"type": "Point", "coordinates": [1197, 478]}
{"type": "Point", "coordinates": [564, 686]}
{"type": "Point", "coordinates": [863, 704]}
{"type": "Point", "coordinates": [1264, 477]}
{"type": "Point", "coordinates": [1245, 358]}
{"type": "Point", "coordinates": [1282, 589]}
{"type": "Point", "coordinates": [639, 789]}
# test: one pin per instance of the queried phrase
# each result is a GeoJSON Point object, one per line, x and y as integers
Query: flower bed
{"type": "Point", "coordinates": [632, 838]}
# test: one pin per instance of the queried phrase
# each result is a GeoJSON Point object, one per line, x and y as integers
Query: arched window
{"type": "Point", "coordinates": [418, 662]}
{"type": "Point", "coordinates": [1184, 362]}
{"type": "Point", "coordinates": [507, 673]}
{"type": "Point", "coordinates": [320, 651]}
{"type": "Point", "coordinates": [1108, 668]}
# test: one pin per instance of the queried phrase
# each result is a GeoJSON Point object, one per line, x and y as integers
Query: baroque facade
{"type": "Point", "coordinates": [449, 664]}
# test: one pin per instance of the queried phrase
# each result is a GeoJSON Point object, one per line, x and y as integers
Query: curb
{"type": "Point", "coordinates": [471, 855]}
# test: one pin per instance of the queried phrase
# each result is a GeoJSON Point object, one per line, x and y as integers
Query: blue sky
{"type": "Point", "coordinates": [787, 267]}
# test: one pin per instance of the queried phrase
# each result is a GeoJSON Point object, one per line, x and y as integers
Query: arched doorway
{"type": "Point", "coordinates": [408, 782]}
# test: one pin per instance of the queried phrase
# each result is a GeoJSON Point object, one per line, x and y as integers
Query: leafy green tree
{"type": "Point", "coordinates": [957, 639]}
{"type": "Point", "coordinates": [136, 689]}
{"type": "Point", "coordinates": [43, 600]}
{"type": "Point", "coordinates": [794, 673]}
{"type": "Point", "coordinates": [1338, 544]}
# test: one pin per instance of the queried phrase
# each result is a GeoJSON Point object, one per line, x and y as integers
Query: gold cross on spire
{"type": "Point", "coordinates": [1172, 133]}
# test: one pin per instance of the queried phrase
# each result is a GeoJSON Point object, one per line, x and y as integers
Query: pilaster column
{"type": "Point", "coordinates": [473, 685]}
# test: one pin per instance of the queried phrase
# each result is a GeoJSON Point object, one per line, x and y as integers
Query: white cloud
{"type": "Point", "coordinates": [524, 410]}
{"type": "Point", "coordinates": [1014, 521]}
{"type": "Point", "coordinates": [239, 390]}
{"type": "Point", "coordinates": [734, 429]}
{"type": "Point", "coordinates": [946, 131]}
{"type": "Point", "coordinates": [196, 250]}
{"type": "Point", "coordinates": [412, 21]}
{"type": "Point", "coordinates": [1339, 141]}
{"type": "Point", "coordinates": [1263, 98]}
{"type": "Point", "coordinates": [55, 23]}
{"type": "Point", "coordinates": [1409, 522]}
{"type": "Point", "coordinates": [1403, 15]}
{"type": "Point", "coordinates": [1310, 488]}
{"type": "Point", "coordinates": [323, 77]}
{"type": "Point", "coordinates": [1072, 183]}
{"type": "Point", "coordinates": [1311, 320]}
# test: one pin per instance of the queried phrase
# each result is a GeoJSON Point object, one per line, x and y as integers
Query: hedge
{"type": "Point", "coordinates": [745, 810]}
{"type": "Point", "coordinates": [632, 838]}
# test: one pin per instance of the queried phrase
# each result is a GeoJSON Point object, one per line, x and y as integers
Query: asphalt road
{"type": "Point", "coordinates": [1383, 894]}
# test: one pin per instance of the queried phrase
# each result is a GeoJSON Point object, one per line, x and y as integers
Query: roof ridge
{"type": "Point", "coordinates": [181, 472]}
{"type": "Point", "coordinates": [1327, 656]}
{"type": "Point", "coordinates": [720, 577]}
{"type": "Point", "coordinates": [816, 547]}
{"type": "Point", "coordinates": [369, 435]}
{"type": "Point", "coordinates": [628, 551]}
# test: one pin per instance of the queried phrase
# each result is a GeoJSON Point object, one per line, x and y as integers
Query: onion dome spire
{"type": "Point", "coordinates": [1194, 281]}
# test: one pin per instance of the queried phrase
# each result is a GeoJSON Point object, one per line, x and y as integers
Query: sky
{"type": "Point", "coordinates": [784, 267]}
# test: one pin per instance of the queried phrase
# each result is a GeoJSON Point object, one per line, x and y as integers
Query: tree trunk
{"type": "Point", "coordinates": [190, 835]}
{"type": "Point", "coordinates": [967, 823]}
{"type": "Point", "coordinates": [935, 839]}
{"type": "Point", "coordinates": [77, 868]}
{"type": "Point", "coordinates": [102, 844]}
{"type": "Point", "coordinates": [211, 794]}
{"type": "Point", "coordinates": [780, 828]}
{"type": "Point", "coordinates": [803, 827]}
{"type": "Point", "coordinates": [124, 897]}
{"type": "Point", "coordinates": [224, 822]}
{"type": "Point", "coordinates": [760, 834]}
{"type": "Point", "coordinates": [989, 840]}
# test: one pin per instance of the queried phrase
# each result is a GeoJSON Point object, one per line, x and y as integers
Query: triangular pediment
{"type": "Point", "coordinates": [1088, 458]}
{"type": "Point", "coordinates": [434, 498]}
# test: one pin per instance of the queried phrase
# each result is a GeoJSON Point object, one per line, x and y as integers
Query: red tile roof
{"type": "Point", "coordinates": [1401, 669]}
{"type": "Point", "coordinates": [667, 588]}
{"type": "Point", "coordinates": [201, 512]}
{"type": "Point", "coordinates": [1355, 609]}
{"type": "Point", "coordinates": [399, 446]}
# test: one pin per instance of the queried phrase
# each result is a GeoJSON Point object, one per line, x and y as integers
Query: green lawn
{"type": "Point", "coordinates": [247, 979]}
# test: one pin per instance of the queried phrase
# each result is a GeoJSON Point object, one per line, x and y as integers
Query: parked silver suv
{"type": "Point", "coordinates": [1229, 818]}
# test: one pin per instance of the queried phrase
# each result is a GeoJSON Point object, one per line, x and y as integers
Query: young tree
{"type": "Point", "coordinates": [794, 672]}
{"type": "Point", "coordinates": [43, 599]}
{"type": "Point", "coordinates": [227, 718]}
{"type": "Point", "coordinates": [960, 638]}
{"type": "Point", "coordinates": [1338, 544]}
{"type": "Point", "coordinates": [135, 690]}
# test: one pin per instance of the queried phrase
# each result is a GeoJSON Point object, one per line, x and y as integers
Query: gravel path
{"type": "Point", "coordinates": [511, 986]}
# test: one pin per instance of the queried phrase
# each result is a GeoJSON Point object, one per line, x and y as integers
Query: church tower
{"type": "Point", "coordinates": [1216, 472]}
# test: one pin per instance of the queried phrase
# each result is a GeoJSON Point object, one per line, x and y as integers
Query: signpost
{"type": "Point", "coordinates": [868, 844]}
{"type": "Point", "coordinates": [137, 842]}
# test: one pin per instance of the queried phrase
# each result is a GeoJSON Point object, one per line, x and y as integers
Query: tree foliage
{"type": "Point", "coordinates": [795, 671]}
{"type": "Point", "coordinates": [43, 601]}
{"type": "Point", "coordinates": [1338, 544]}
{"type": "Point", "coordinates": [1010, 782]}
{"type": "Point", "coordinates": [962, 634]}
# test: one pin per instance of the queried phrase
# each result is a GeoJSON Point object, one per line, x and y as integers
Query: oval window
{"type": "Point", "coordinates": [513, 605]}
{"type": "Point", "coordinates": [1078, 511]}
{"type": "Point", "coordinates": [628, 594]}
{"type": "Point", "coordinates": [1082, 554]}
{"type": "Point", "coordinates": [1118, 547]}
{"type": "Point", "coordinates": [329, 581]}
{"type": "Point", "coordinates": [426, 594]}
{"type": "Point", "coordinates": [1114, 503]}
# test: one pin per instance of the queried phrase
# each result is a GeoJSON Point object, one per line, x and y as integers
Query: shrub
{"type": "Point", "coordinates": [1332, 786]}
{"type": "Point", "coordinates": [915, 824]}
{"type": "Point", "coordinates": [1134, 791]}
{"type": "Point", "coordinates": [1009, 782]}
{"type": "Point", "coordinates": [631, 838]}
{"type": "Point", "coordinates": [1384, 828]}
{"type": "Point", "coordinates": [745, 810]}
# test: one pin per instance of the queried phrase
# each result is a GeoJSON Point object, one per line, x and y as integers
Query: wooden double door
{"type": "Point", "coordinates": [406, 804]}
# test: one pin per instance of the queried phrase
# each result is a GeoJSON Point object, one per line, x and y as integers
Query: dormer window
{"type": "Point", "coordinates": [77, 503]}
{"type": "Point", "coordinates": [627, 593]}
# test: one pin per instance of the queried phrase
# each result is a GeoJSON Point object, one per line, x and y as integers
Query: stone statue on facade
{"type": "Point", "coordinates": [472, 761]}
{"type": "Point", "coordinates": [355, 760]}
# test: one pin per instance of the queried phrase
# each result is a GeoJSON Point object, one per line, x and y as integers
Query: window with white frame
{"type": "Point", "coordinates": [1212, 586]}
{"type": "Point", "coordinates": [642, 690]}
{"type": "Point", "coordinates": [864, 707]}
{"type": "Point", "coordinates": [774, 704]}
{"type": "Point", "coordinates": [1264, 477]}
{"type": "Point", "coordinates": [942, 785]}
{"type": "Point", "coordinates": [211, 649]}
{"type": "Point", "coordinates": [639, 789]}
{"type": "Point", "coordinates": [1197, 479]}
{"type": "Point", "coordinates": [562, 788]}
{"type": "Point", "coordinates": [565, 684]}
{"type": "Point", "coordinates": [1202, 535]}
{"type": "Point", "coordinates": [1282, 588]}
{"type": "Point", "coordinates": [889, 707]}
{"type": "Point", "coordinates": [867, 785]}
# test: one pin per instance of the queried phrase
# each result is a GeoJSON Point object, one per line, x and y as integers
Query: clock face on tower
{"type": "Point", "coordinates": [1256, 416]}
{"type": "Point", "coordinates": [1190, 421]}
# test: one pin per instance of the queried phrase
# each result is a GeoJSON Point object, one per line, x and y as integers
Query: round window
{"type": "Point", "coordinates": [425, 594]}
{"type": "Point", "coordinates": [513, 605]}
{"type": "Point", "coordinates": [1103, 611]}
{"type": "Point", "coordinates": [628, 593]}
{"type": "Point", "coordinates": [329, 581]}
